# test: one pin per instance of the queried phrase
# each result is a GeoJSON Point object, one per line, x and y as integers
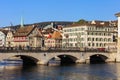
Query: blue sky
{"type": "Point", "coordinates": [34, 11]}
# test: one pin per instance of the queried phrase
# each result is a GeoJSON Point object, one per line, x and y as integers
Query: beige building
{"type": "Point", "coordinates": [52, 36]}
{"type": "Point", "coordinates": [10, 39]}
{"type": "Point", "coordinates": [35, 38]}
{"type": "Point", "coordinates": [3, 34]}
{"type": "Point", "coordinates": [54, 40]}
{"type": "Point", "coordinates": [28, 36]}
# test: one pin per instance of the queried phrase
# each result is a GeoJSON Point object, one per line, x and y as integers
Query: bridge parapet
{"type": "Point", "coordinates": [38, 51]}
{"type": "Point", "coordinates": [45, 56]}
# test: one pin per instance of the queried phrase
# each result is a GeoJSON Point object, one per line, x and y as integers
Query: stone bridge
{"type": "Point", "coordinates": [45, 57]}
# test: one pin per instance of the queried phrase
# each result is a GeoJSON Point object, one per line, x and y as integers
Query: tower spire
{"type": "Point", "coordinates": [22, 22]}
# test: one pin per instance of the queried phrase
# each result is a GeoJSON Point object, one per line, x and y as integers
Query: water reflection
{"type": "Point", "coordinates": [10, 72]}
{"type": "Point", "coordinates": [117, 72]}
{"type": "Point", "coordinates": [73, 72]}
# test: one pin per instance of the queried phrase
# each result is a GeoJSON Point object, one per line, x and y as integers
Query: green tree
{"type": "Point", "coordinates": [82, 21]}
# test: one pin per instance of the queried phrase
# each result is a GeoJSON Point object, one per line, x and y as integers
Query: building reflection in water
{"type": "Point", "coordinates": [10, 72]}
{"type": "Point", "coordinates": [73, 72]}
{"type": "Point", "coordinates": [117, 72]}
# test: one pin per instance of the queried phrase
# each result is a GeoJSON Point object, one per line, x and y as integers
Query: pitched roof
{"type": "Point", "coordinates": [24, 31]}
{"type": "Point", "coordinates": [47, 31]}
{"type": "Point", "coordinates": [4, 31]}
{"type": "Point", "coordinates": [95, 23]}
{"type": "Point", "coordinates": [56, 35]}
{"type": "Point", "coordinates": [117, 14]}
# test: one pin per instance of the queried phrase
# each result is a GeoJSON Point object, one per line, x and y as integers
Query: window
{"type": "Point", "coordinates": [82, 29]}
{"type": "Point", "coordinates": [96, 34]}
{"type": "Point", "coordinates": [96, 39]}
{"type": "Point", "coordinates": [89, 39]}
{"type": "Point", "coordinates": [109, 40]}
{"type": "Point", "coordinates": [92, 33]}
{"type": "Point", "coordinates": [92, 39]}
{"type": "Point", "coordinates": [104, 34]}
{"type": "Point", "coordinates": [89, 44]}
{"type": "Point", "coordinates": [100, 44]}
{"type": "Point", "coordinates": [88, 33]}
{"type": "Point", "coordinates": [100, 34]}
{"type": "Point", "coordinates": [97, 44]}
{"type": "Point", "coordinates": [100, 39]}
{"type": "Point", "coordinates": [93, 44]}
{"type": "Point", "coordinates": [105, 39]}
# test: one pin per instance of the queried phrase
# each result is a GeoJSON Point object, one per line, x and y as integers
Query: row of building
{"type": "Point", "coordinates": [90, 35]}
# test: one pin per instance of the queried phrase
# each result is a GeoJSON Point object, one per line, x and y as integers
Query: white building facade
{"type": "Point", "coordinates": [9, 39]}
{"type": "Point", "coordinates": [87, 36]}
{"type": "Point", "coordinates": [2, 39]}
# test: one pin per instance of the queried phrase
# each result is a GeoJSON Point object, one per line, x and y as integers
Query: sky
{"type": "Point", "coordinates": [34, 11]}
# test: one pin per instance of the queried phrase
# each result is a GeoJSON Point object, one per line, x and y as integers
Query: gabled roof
{"type": "Point", "coordinates": [56, 35]}
{"type": "Point", "coordinates": [4, 31]}
{"type": "Point", "coordinates": [24, 31]}
{"type": "Point", "coordinates": [47, 31]}
{"type": "Point", "coordinates": [39, 34]}
{"type": "Point", "coordinates": [117, 14]}
{"type": "Point", "coordinates": [96, 23]}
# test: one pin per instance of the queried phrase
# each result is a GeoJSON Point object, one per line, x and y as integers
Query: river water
{"type": "Point", "coordinates": [109, 71]}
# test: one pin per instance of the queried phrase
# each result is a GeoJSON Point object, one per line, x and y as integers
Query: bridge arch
{"type": "Point", "coordinates": [98, 58]}
{"type": "Point", "coordinates": [27, 60]}
{"type": "Point", "coordinates": [65, 59]}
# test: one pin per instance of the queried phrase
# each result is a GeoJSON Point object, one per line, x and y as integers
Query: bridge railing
{"type": "Point", "coordinates": [37, 50]}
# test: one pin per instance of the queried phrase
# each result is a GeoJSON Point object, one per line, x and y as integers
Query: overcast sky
{"type": "Point", "coordinates": [34, 11]}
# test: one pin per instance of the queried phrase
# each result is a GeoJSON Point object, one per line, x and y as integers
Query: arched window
{"type": "Point", "coordinates": [105, 39]}
{"type": "Point", "coordinates": [101, 45]}
{"type": "Point", "coordinates": [89, 39]}
{"type": "Point", "coordinates": [101, 39]}
{"type": "Point", "coordinates": [109, 40]}
{"type": "Point", "coordinates": [96, 39]}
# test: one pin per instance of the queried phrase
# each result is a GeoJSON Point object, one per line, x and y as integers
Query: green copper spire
{"type": "Point", "coordinates": [22, 22]}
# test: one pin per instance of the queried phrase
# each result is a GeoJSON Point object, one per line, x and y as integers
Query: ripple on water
{"type": "Point", "coordinates": [74, 72]}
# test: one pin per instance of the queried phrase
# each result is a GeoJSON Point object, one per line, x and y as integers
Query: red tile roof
{"type": "Point", "coordinates": [97, 24]}
{"type": "Point", "coordinates": [24, 31]}
{"type": "Point", "coordinates": [56, 35]}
